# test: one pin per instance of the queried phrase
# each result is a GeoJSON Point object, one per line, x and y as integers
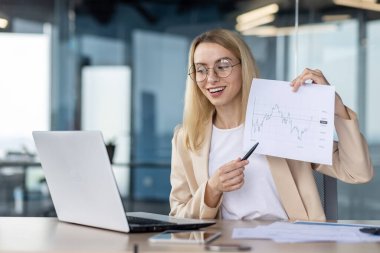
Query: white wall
{"type": "Point", "coordinates": [24, 88]}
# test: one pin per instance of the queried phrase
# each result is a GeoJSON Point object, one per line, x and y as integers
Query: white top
{"type": "Point", "coordinates": [258, 197]}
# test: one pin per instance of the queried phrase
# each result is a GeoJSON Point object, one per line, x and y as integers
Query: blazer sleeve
{"type": "Point", "coordinates": [351, 159]}
{"type": "Point", "coordinates": [186, 196]}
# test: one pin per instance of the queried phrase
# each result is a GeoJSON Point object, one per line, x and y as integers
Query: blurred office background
{"type": "Point", "coordinates": [120, 66]}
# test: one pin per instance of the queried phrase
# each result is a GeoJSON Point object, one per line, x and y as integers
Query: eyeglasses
{"type": "Point", "coordinates": [222, 68]}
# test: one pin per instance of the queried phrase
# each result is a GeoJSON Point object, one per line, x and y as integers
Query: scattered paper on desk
{"type": "Point", "coordinates": [295, 125]}
{"type": "Point", "coordinates": [286, 232]}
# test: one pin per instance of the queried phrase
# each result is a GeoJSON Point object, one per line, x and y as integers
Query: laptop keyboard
{"type": "Point", "coordinates": [145, 221]}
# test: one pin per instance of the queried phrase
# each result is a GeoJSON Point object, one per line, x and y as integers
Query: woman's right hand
{"type": "Point", "coordinates": [229, 177]}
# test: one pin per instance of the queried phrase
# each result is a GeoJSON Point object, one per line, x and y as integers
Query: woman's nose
{"type": "Point", "coordinates": [212, 76]}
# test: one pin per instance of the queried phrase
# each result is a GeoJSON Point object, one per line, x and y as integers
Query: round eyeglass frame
{"type": "Point", "coordinates": [192, 71]}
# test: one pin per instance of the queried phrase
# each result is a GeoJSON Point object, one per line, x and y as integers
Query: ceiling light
{"type": "Point", "coordinates": [338, 17]}
{"type": "Point", "coordinates": [257, 13]}
{"type": "Point", "coordinates": [263, 31]}
{"type": "Point", "coordinates": [361, 4]}
{"type": "Point", "coordinates": [3, 23]}
{"type": "Point", "coordinates": [271, 31]}
{"type": "Point", "coordinates": [254, 23]}
{"type": "Point", "coordinates": [3, 20]}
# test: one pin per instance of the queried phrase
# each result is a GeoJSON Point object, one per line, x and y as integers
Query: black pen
{"type": "Point", "coordinates": [250, 152]}
{"type": "Point", "coordinates": [371, 230]}
{"type": "Point", "coordinates": [135, 248]}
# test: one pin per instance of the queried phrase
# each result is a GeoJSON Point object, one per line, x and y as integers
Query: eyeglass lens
{"type": "Point", "coordinates": [222, 68]}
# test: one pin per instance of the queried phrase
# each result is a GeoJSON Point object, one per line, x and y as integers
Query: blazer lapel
{"type": "Point", "coordinates": [200, 158]}
{"type": "Point", "coordinates": [287, 189]}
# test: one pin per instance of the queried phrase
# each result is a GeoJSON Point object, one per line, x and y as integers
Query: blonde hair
{"type": "Point", "coordinates": [198, 110]}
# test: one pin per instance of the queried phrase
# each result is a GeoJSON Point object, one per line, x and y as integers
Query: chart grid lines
{"type": "Point", "coordinates": [288, 124]}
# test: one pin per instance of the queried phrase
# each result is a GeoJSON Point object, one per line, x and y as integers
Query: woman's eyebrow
{"type": "Point", "coordinates": [222, 58]}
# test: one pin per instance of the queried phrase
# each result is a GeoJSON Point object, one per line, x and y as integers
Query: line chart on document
{"type": "Point", "coordinates": [297, 127]}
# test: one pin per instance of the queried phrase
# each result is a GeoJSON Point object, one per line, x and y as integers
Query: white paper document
{"type": "Point", "coordinates": [286, 232]}
{"type": "Point", "coordinates": [295, 125]}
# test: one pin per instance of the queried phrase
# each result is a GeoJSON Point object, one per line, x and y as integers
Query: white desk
{"type": "Point", "coordinates": [48, 235]}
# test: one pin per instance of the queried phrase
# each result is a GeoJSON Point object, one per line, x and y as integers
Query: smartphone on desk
{"type": "Point", "coordinates": [227, 247]}
{"type": "Point", "coordinates": [186, 237]}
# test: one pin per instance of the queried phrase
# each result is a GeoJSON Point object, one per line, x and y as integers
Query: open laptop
{"type": "Point", "coordinates": [83, 187]}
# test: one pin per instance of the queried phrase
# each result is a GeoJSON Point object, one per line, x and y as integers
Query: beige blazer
{"type": "Point", "coordinates": [294, 179]}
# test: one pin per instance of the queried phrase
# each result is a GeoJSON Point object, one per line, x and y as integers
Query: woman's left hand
{"type": "Point", "coordinates": [316, 76]}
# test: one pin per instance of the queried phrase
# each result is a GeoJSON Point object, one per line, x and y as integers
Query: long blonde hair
{"type": "Point", "coordinates": [198, 110]}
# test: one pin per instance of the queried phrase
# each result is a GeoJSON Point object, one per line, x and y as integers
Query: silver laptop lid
{"type": "Point", "coordinates": [80, 178]}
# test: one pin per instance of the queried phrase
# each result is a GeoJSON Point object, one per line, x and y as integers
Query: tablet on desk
{"type": "Point", "coordinates": [191, 237]}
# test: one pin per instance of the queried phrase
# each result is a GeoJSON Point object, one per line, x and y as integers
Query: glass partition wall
{"type": "Point", "coordinates": [148, 42]}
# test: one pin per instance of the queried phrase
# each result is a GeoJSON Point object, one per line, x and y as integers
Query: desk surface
{"type": "Point", "coordinates": [47, 234]}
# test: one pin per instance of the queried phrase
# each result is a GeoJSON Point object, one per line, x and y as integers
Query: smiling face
{"type": "Point", "coordinates": [220, 91]}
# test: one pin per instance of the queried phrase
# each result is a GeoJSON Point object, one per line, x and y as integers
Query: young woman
{"type": "Point", "coordinates": [208, 178]}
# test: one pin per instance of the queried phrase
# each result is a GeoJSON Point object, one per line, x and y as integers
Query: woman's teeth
{"type": "Point", "coordinates": [213, 90]}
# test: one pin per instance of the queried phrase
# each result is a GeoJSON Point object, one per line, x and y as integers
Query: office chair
{"type": "Point", "coordinates": [327, 188]}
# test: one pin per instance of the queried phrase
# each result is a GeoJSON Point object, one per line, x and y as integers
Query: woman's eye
{"type": "Point", "coordinates": [222, 67]}
{"type": "Point", "coordinates": [201, 70]}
